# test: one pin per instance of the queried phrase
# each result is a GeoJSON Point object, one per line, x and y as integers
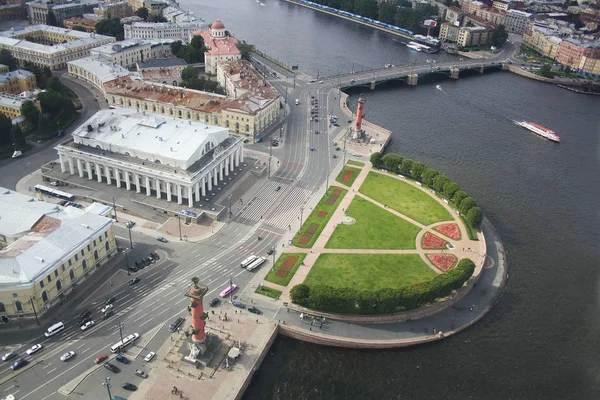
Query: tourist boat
{"type": "Point", "coordinates": [540, 130]}
{"type": "Point", "coordinates": [414, 46]}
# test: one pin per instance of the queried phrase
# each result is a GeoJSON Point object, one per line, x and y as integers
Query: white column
{"type": "Point", "coordinates": [80, 167]}
{"type": "Point", "coordinates": [215, 177]}
{"type": "Point", "coordinates": [63, 167]}
{"type": "Point", "coordinates": [210, 180]}
{"type": "Point", "coordinates": [127, 183]}
{"type": "Point", "coordinates": [221, 168]}
{"type": "Point", "coordinates": [226, 166]}
{"type": "Point", "coordinates": [99, 172]}
{"type": "Point", "coordinates": [179, 201]}
{"type": "Point", "coordinates": [190, 196]}
{"type": "Point", "coordinates": [148, 186]}
{"type": "Point", "coordinates": [157, 188]}
{"type": "Point", "coordinates": [203, 185]}
{"type": "Point", "coordinates": [117, 174]}
{"type": "Point", "coordinates": [197, 190]}
{"type": "Point", "coordinates": [168, 184]}
{"type": "Point", "coordinates": [238, 152]}
{"type": "Point", "coordinates": [107, 173]}
{"type": "Point", "coordinates": [137, 179]}
{"type": "Point", "coordinates": [71, 166]}
{"type": "Point", "coordinates": [242, 153]}
{"type": "Point", "coordinates": [88, 166]}
{"type": "Point", "coordinates": [231, 161]}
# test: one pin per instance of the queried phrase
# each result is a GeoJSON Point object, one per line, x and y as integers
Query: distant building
{"type": "Point", "coordinates": [38, 10]}
{"type": "Point", "coordinates": [128, 53]}
{"type": "Point", "coordinates": [50, 46]}
{"type": "Point", "coordinates": [453, 14]}
{"type": "Point", "coordinates": [419, 5]}
{"type": "Point", "coordinates": [17, 81]}
{"type": "Point", "coordinates": [48, 250]}
{"type": "Point", "coordinates": [502, 5]}
{"type": "Point", "coordinates": [161, 30]}
{"type": "Point", "coordinates": [221, 47]}
{"type": "Point", "coordinates": [178, 15]}
{"type": "Point", "coordinates": [10, 105]}
{"type": "Point", "coordinates": [449, 32]}
{"type": "Point", "coordinates": [473, 36]}
{"type": "Point", "coordinates": [492, 15]}
{"type": "Point", "coordinates": [96, 70]}
{"type": "Point", "coordinates": [542, 39]}
{"type": "Point", "coordinates": [581, 56]}
{"type": "Point", "coordinates": [12, 9]}
{"type": "Point", "coordinates": [3, 68]}
{"type": "Point", "coordinates": [88, 24]}
{"type": "Point", "coordinates": [119, 9]}
{"type": "Point", "coordinates": [162, 70]}
{"type": "Point", "coordinates": [516, 21]}
{"type": "Point", "coordinates": [471, 7]}
{"type": "Point", "coordinates": [154, 7]}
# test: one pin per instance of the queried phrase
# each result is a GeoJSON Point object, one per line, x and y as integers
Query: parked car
{"type": "Point", "coordinates": [18, 364]}
{"type": "Point", "coordinates": [150, 260]}
{"type": "Point", "coordinates": [176, 324]}
{"type": "Point", "coordinates": [161, 239]}
{"type": "Point", "coordinates": [150, 356]}
{"type": "Point", "coordinates": [334, 156]}
{"type": "Point", "coordinates": [141, 373]}
{"type": "Point", "coordinates": [336, 124]}
{"type": "Point", "coordinates": [8, 356]}
{"type": "Point", "coordinates": [67, 356]}
{"type": "Point", "coordinates": [238, 304]}
{"type": "Point", "coordinates": [118, 398]}
{"type": "Point", "coordinates": [155, 255]}
{"type": "Point", "coordinates": [85, 314]}
{"type": "Point", "coordinates": [122, 359]}
{"type": "Point", "coordinates": [270, 251]}
{"type": "Point", "coordinates": [137, 264]}
{"type": "Point", "coordinates": [130, 224]}
{"type": "Point", "coordinates": [112, 368]}
{"type": "Point", "coordinates": [100, 358]}
{"type": "Point", "coordinates": [87, 325]}
{"type": "Point", "coordinates": [132, 268]}
{"type": "Point", "coordinates": [134, 281]}
{"type": "Point", "coordinates": [106, 308]}
{"type": "Point", "coordinates": [107, 315]}
{"type": "Point", "coordinates": [34, 349]}
{"type": "Point", "coordinates": [214, 302]}
{"type": "Point", "coordinates": [254, 310]}
{"type": "Point", "coordinates": [129, 386]}
{"type": "Point", "coordinates": [145, 262]}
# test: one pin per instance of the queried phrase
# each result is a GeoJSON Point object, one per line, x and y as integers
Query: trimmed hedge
{"type": "Point", "coordinates": [383, 301]}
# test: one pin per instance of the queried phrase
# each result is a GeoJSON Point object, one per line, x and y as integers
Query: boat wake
{"type": "Point", "coordinates": [439, 87]}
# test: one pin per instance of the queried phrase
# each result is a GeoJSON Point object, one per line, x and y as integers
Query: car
{"type": "Point", "coordinates": [349, 121]}
{"type": "Point", "coordinates": [144, 262]}
{"type": "Point", "coordinates": [254, 310]}
{"type": "Point", "coordinates": [34, 349]}
{"type": "Point", "coordinates": [155, 255]}
{"type": "Point", "coordinates": [67, 356]}
{"type": "Point", "coordinates": [85, 314]}
{"type": "Point", "coordinates": [150, 356]}
{"type": "Point", "coordinates": [87, 325]}
{"type": "Point", "coordinates": [107, 315]}
{"type": "Point", "coordinates": [110, 300]}
{"type": "Point", "coordinates": [112, 368]}
{"type": "Point", "coordinates": [336, 124]}
{"type": "Point", "coordinates": [334, 156]}
{"type": "Point", "coordinates": [161, 239]}
{"type": "Point", "coordinates": [129, 386]}
{"type": "Point", "coordinates": [238, 304]}
{"type": "Point", "coordinates": [320, 81]}
{"type": "Point", "coordinates": [18, 364]}
{"type": "Point", "coordinates": [8, 356]}
{"type": "Point", "coordinates": [150, 260]}
{"type": "Point", "coordinates": [270, 251]}
{"type": "Point", "coordinates": [176, 324]}
{"type": "Point", "coordinates": [100, 358]}
{"type": "Point", "coordinates": [337, 149]}
{"type": "Point", "coordinates": [137, 264]}
{"type": "Point", "coordinates": [122, 359]}
{"type": "Point", "coordinates": [106, 308]}
{"type": "Point", "coordinates": [134, 281]}
{"type": "Point", "coordinates": [118, 398]}
{"type": "Point", "coordinates": [132, 268]}
{"type": "Point", "coordinates": [54, 183]}
{"type": "Point", "coordinates": [316, 132]}
{"type": "Point", "coordinates": [63, 203]}
{"type": "Point", "coordinates": [141, 373]}
{"type": "Point", "coordinates": [214, 302]}
{"type": "Point", "coordinates": [130, 224]}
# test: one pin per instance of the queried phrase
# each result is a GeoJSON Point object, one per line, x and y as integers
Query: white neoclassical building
{"type": "Point", "coordinates": [168, 158]}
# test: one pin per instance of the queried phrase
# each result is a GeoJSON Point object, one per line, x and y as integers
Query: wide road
{"type": "Point", "coordinates": [158, 298]}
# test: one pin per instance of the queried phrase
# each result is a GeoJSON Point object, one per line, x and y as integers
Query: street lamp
{"type": "Point", "coordinates": [230, 285]}
{"type": "Point", "coordinates": [130, 241]}
{"type": "Point", "coordinates": [115, 209]}
{"type": "Point", "coordinates": [230, 213]}
{"type": "Point", "coordinates": [106, 384]}
{"type": "Point", "coordinates": [34, 312]}
{"type": "Point", "coordinates": [179, 223]}
{"type": "Point", "coordinates": [126, 251]}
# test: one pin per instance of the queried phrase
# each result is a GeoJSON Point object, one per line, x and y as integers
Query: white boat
{"type": "Point", "coordinates": [438, 87]}
{"type": "Point", "coordinates": [539, 130]}
{"type": "Point", "coordinates": [414, 47]}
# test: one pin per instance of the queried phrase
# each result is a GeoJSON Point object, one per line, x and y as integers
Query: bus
{"type": "Point", "coordinates": [228, 290]}
{"type": "Point", "coordinates": [259, 261]}
{"type": "Point", "coordinates": [54, 192]}
{"type": "Point", "coordinates": [127, 340]}
{"type": "Point", "coordinates": [54, 329]}
{"type": "Point", "coordinates": [248, 261]}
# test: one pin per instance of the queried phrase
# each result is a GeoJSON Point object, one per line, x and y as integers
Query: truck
{"type": "Point", "coordinates": [297, 101]}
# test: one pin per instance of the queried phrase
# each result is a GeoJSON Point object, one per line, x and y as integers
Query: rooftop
{"type": "Point", "coordinates": [249, 85]}
{"type": "Point", "coordinates": [163, 63]}
{"type": "Point", "coordinates": [77, 3]}
{"type": "Point", "coordinates": [11, 100]}
{"type": "Point", "coordinates": [105, 70]}
{"type": "Point", "coordinates": [123, 45]}
{"type": "Point", "coordinates": [18, 74]}
{"type": "Point", "coordinates": [226, 45]}
{"type": "Point", "coordinates": [20, 212]}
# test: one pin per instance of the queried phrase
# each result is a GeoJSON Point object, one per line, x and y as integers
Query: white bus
{"type": "Point", "coordinates": [127, 340]}
{"type": "Point", "coordinates": [259, 261]}
{"type": "Point", "coordinates": [54, 329]}
{"type": "Point", "coordinates": [248, 261]}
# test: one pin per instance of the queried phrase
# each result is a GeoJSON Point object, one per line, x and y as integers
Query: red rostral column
{"type": "Point", "coordinates": [359, 114]}
{"type": "Point", "coordinates": [196, 293]}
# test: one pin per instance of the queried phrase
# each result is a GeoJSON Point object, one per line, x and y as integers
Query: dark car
{"type": "Point", "coordinates": [112, 368]}
{"type": "Point", "coordinates": [214, 302]}
{"type": "Point", "coordinates": [137, 264]}
{"type": "Point", "coordinates": [270, 251]}
{"type": "Point", "coordinates": [129, 386]}
{"type": "Point", "coordinates": [150, 260]}
{"type": "Point", "coordinates": [254, 310]}
{"type": "Point", "coordinates": [155, 256]}
{"type": "Point", "coordinates": [176, 324]}
{"type": "Point", "coordinates": [110, 300]}
{"type": "Point", "coordinates": [20, 363]}
{"type": "Point", "coordinates": [146, 263]}
{"type": "Point", "coordinates": [84, 321]}
{"type": "Point", "coordinates": [107, 315]}
{"type": "Point", "coordinates": [122, 359]}
{"type": "Point", "coordinates": [141, 266]}
{"type": "Point", "coordinates": [134, 281]}
{"type": "Point", "coordinates": [349, 121]}
{"type": "Point", "coordinates": [336, 124]}
{"type": "Point", "coordinates": [85, 314]}
{"type": "Point", "coordinates": [238, 304]}
{"type": "Point", "coordinates": [132, 268]}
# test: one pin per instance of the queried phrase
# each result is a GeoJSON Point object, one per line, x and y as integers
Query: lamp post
{"type": "Point", "coordinates": [115, 209]}
{"type": "Point", "coordinates": [130, 241]}
{"type": "Point", "coordinates": [273, 256]}
{"type": "Point", "coordinates": [106, 384]}
{"type": "Point", "coordinates": [230, 285]}
{"type": "Point", "coordinates": [179, 223]}
{"type": "Point", "coordinates": [270, 155]}
{"type": "Point", "coordinates": [34, 312]}
{"type": "Point", "coordinates": [229, 197]}
{"type": "Point", "coordinates": [126, 251]}
{"type": "Point", "coordinates": [327, 183]}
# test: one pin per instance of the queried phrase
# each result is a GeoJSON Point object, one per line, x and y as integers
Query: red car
{"type": "Point", "coordinates": [100, 359]}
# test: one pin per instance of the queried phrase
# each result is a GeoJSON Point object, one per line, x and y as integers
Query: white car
{"type": "Point", "coordinates": [108, 307]}
{"type": "Point", "coordinates": [67, 356]}
{"type": "Point", "coordinates": [150, 356]}
{"type": "Point", "coordinates": [8, 356]}
{"type": "Point", "coordinates": [87, 325]}
{"type": "Point", "coordinates": [34, 349]}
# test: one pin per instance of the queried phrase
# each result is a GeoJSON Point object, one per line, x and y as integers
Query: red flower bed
{"type": "Point", "coordinates": [442, 261]}
{"type": "Point", "coordinates": [450, 230]}
{"type": "Point", "coordinates": [430, 241]}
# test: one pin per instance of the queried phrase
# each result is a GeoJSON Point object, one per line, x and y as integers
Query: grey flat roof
{"type": "Point", "coordinates": [163, 63]}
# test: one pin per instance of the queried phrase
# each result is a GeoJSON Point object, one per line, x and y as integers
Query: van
{"type": "Point", "coordinates": [54, 329]}
{"type": "Point", "coordinates": [297, 101]}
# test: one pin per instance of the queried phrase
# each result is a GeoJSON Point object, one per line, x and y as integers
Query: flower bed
{"type": "Point", "coordinates": [449, 230]}
{"type": "Point", "coordinates": [430, 241]}
{"type": "Point", "coordinates": [443, 261]}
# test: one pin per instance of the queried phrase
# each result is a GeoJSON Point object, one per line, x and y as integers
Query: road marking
{"type": "Point", "coordinates": [135, 320]}
{"type": "Point", "coordinates": [163, 311]}
{"type": "Point", "coordinates": [154, 280]}
{"type": "Point", "coordinates": [86, 350]}
{"type": "Point", "coordinates": [50, 395]}
{"type": "Point", "coordinates": [46, 366]}
{"type": "Point", "coordinates": [142, 324]}
{"type": "Point", "coordinates": [51, 371]}
{"type": "Point", "coordinates": [82, 344]}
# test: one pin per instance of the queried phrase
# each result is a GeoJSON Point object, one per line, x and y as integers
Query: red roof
{"type": "Point", "coordinates": [217, 25]}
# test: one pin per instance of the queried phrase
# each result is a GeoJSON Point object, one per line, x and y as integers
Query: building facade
{"type": "Point", "coordinates": [140, 151]}
{"type": "Point", "coordinates": [221, 47]}
{"type": "Point", "coordinates": [162, 70]}
{"type": "Point", "coordinates": [10, 105]}
{"type": "Point", "coordinates": [502, 5]}
{"type": "Point", "coordinates": [88, 24]}
{"type": "Point", "coordinates": [161, 30]}
{"type": "Point", "coordinates": [17, 81]}
{"type": "Point", "coordinates": [119, 9]}
{"type": "Point", "coordinates": [37, 11]}
{"type": "Point", "coordinates": [49, 46]}
{"type": "Point", "coordinates": [492, 15]}
{"type": "Point", "coordinates": [96, 70]}
{"type": "Point", "coordinates": [473, 36]}
{"type": "Point", "coordinates": [12, 9]}
{"type": "Point", "coordinates": [128, 53]}
{"type": "Point", "coordinates": [516, 21]}
{"type": "Point", "coordinates": [449, 32]}
{"type": "Point", "coordinates": [48, 250]}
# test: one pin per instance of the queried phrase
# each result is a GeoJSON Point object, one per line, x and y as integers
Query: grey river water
{"type": "Point", "coordinates": [542, 339]}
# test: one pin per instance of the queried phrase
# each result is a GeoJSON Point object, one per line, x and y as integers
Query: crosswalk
{"type": "Point", "coordinates": [289, 210]}
{"type": "Point", "coordinates": [255, 209]}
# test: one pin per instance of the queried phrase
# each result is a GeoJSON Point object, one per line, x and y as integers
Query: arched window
{"type": "Point", "coordinates": [107, 246]}
{"type": "Point", "coordinates": [72, 275]}
{"type": "Point", "coordinates": [96, 255]}
{"type": "Point", "coordinates": [44, 296]}
{"type": "Point", "coordinates": [84, 264]}
{"type": "Point", "coordinates": [2, 308]}
{"type": "Point", "coordinates": [18, 306]}
{"type": "Point", "coordinates": [58, 285]}
{"type": "Point", "coordinates": [174, 83]}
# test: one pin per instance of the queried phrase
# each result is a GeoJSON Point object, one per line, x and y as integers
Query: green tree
{"type": "Point", "coordinates": [499, 36]}
{"type": "Point", "coordinates": [366, 8]}
{"type": "Point", "coordinates": [474, 217]}
{"type": "Point", "coordinates": [417, 170]}
{"type": "Point", "coordinates": [30, 112]}
{"type": "Point", "coordinates": [142, 12]}
{"type": "Point", "coordinates": [43, 126]}
{"type": "Point", "coordinates": [376, 159]}
{"type": "Point", "coordinates": [450, 188]}
{"type": "Point", "coordinates": [18, 138]}
{"type": "Point", "coordinates": [176, 47]}
{"type": "Point", "coordinates": [300, 294]}
{"type": "Point", "coordinates": [387, 13]}
{"type": "Point", "coordinates": [439, 181]}
{"type": "Point", "coordinates": [51, 19]}
{"type": "Point", "coordinates": [189, 73]}
{"type": "Point", "coordinates": [428, 175]}
{"type": "Point", "coordinates": [197, 42]}
{"type": "Point", "coordinates": [5, 129]}
{"type": "Point", "coordinates": [7, 59]}
{"type": "Point", "coordinates": [79, 28]}
{"type": "Point", "coordinates": [391, 162]}
{"type": "Point", "coordinates": [245, 49]}
{"type": "Point", "coordinates": [40, 77]}
{"type": "Point", "coordinates": [459, 195]}
{"type": "Point", "coordinates": [111, 27]}
{"type": "Point", "coordinates": [546, 71]}
{"type": "Point", "coordinates": [466, 204]}
{"type": "Point", "coordinates": [406, 166]}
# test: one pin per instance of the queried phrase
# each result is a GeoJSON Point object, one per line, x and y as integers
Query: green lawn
{"type": "Point", "coordinates": [269, 292]}
{"type": "Point", "coordinates": [375, 228]}
{"type": "Point", "coordinates": [284, 280]}
{"type": "Point", "coordinates": [355, 172]}
{"type": "Point", "coordinates": [369, 271]}
{"type": "Point", "coordinates": [404, 198]}
{"type": "Point", "coordinates": [358, 163]}
{"type": "Point", "coordinates": [314, 218]}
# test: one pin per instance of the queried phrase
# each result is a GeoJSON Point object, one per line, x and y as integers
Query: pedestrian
{"type": "Point", "coordinates": [310, 329]}
{"type": "Point", "coordinates": [219, 317]}
{"type": "Point", "coordinates": [110, 282]}
{"type": "Point", "coordinates": [257, 321]}
{"type": "Point", "coordinates": [311, 322]}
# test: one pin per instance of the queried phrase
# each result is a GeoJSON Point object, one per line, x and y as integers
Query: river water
{"type": "Point", "coordinates": [541, 340]}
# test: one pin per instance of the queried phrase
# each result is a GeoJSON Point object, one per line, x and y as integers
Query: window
{"type": "Point", "coordinates": [18, 306]}
{"type": "Point", "coordinates": [100, 238]}
{"type": "Point", "coordinates": [106, 234]}
{"type": "Point", "coordinates": [2, 308]}
{"type": "Point", "coordinates": [15, 295]}
{"type": "Point", "coordinates": [70, 263]}
{"type": "Point", "coordinates": [76, 258]}
{"type": "Point", "coordinates": [42, 284]}
{"type": "Point", "coordinates": [45, 296]}
{"type": "Point", "coordinates": [82, 252]}
{"type": "Point", "coordinates": [84, 264]}
{"type": "Point", "coordinates": [62, 267]}
{"type": "Point", "coordinates": [58, 285]}
{"type": "Point", "coordinates": [94, 243]}
{"type": "Point", "coordinates": [55, 273]}
{"type": "Point", "coordinates": [107, 246]}
{"type": "Point", "coordinates": [72, 275]}
{"type": "Point", "coordinates": [88, 247]}
{"type": "Point", "coordinates": [49, 278]}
